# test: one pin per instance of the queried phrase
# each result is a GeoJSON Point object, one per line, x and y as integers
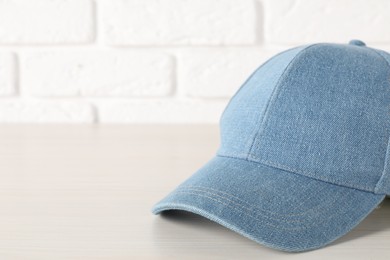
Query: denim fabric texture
{"type": "Point", "coordinates": [305, 149]}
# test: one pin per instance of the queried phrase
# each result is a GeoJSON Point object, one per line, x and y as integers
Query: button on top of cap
{"type": "Point", "coordinates": [357, 43]}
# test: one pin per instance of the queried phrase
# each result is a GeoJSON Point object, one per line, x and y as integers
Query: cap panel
{"type": "Point", "coordinates": [241, 119]}
{"type": "Point", "coordinates": [330, 118]}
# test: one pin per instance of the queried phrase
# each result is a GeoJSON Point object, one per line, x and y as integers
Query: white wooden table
{"type": "Point", "coordinates": [85, 192]}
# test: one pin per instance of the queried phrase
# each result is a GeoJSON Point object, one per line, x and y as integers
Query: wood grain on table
{"type": "Point", "coordinates": [85, 192]}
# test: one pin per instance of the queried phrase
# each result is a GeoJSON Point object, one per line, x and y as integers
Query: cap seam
{"type": "Point", "coordinates": [304, 173]}
{"type": "Point", "coordinates": [299, 172]}
{"type": "Point", "coordinates": [385, 170]}
{"type": "Point", "coordinates": [385, 166]}
{"type": "Point", "coordinates": [274, 95]}
{"type": "Point", "coordinates": [382, 57]}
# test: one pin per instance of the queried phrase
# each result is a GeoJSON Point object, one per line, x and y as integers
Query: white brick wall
{"type": "Point", "coordinates": [302, 21]}
{"type": "Point", "coordinates": [97, 73]}
{"type": "Point", "coordinates": [7, 74]}
{"type": "Point", "coordinates": [179, 22]}
{"type": "Point", "coordinates": [156, 61]}
{"type": "Point", "coordinates": [46, 21]}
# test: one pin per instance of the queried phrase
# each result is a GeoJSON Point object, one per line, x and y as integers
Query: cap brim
{"type": "Point", "coordinates": [276, 208]}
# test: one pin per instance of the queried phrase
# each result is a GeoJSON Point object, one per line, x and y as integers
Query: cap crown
{"type": "Point", "coordinates": [322, 111]}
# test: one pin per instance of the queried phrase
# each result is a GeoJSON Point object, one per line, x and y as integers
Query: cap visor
{"type": "Point", "coordinates": [273, 207]}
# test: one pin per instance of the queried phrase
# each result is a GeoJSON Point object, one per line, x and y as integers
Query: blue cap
{"type": "Point", "coordinates": [304, 154]}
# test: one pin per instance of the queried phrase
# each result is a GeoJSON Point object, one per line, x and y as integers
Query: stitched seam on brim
{"type": "Point", "coordinates": [255, 216]}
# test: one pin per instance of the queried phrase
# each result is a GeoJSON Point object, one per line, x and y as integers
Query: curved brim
{"type": "Point", "coordinates": [276, 208]}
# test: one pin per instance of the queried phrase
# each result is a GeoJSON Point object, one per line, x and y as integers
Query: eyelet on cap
{"type": "Point", "coordinates": [357, 42]}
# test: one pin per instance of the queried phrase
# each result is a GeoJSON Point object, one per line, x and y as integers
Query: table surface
{"type": "Point", "coordinates": [85, 192]}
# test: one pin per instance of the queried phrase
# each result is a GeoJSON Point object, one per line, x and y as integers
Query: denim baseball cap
{"type": "Point", "coordinates": [304, 154]}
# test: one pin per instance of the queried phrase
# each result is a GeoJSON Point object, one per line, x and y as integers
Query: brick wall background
{"type": "Point", "coordinates": [157, 61]}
